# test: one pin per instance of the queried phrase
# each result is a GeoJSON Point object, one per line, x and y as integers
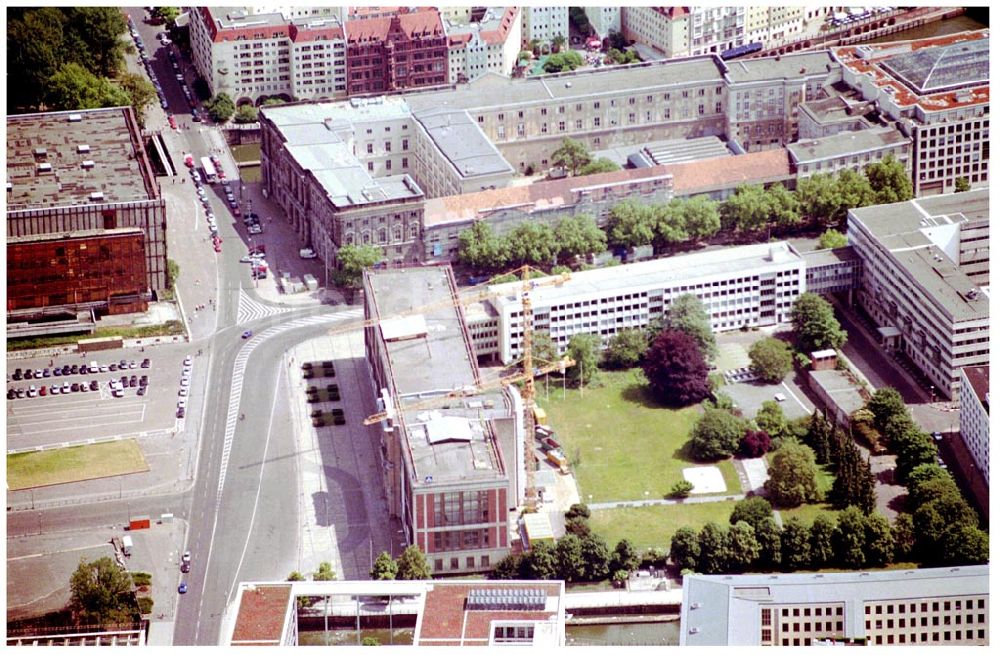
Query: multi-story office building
{"type": "Point", "coordinates": [603, 19]}
{"type": "Point", "coordinates": [489, 45]}
{"type": "Point", "coordinates": [912, 607]}
{"type": "Point", "coordinates": [437, 612]}
{"type": "Point", "coordinates": [339, 173]}
{"type": "Point", "coordinates": [835, 270]}
{"type": "Point", "coordinates": [919, 261]}
{"type": "Point", "coordinates": [750, 286]}
{"type": "Point", "coordinates": [974, 416]}
{"type": "Point", "coordinates": [452, 473]}
{"type": "Point", "coordinates": [252, 57]}
{"type": "Point", "coordinates": [773, 25]}
{"type": "Point", "coordinates": [406, 50]}
{"type": "Point", "coordinates": [852, 150]}
{"type": "Point", "coordinates": [83, 172]}
{"type": "Point", "coordinates": [938, 91]}
{"type": "Point", "coordinates": [543, 23]}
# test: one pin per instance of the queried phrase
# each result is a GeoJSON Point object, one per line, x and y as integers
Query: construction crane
{"type": "Point", "coordinates": [527, 374]}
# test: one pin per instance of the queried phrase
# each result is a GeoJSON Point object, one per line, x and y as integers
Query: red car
{"type": "Point", "coordinates": [236, 211]}
{"type": "Point", "coordinates": [218, 247]}
{"type": "Point", "coordinates": [189, 161]}
{"type": "Point", "coordinates": [172, 121]}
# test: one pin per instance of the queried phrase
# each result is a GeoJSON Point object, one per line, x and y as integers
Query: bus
{"type": "Point", "coordinates": [211, 176]}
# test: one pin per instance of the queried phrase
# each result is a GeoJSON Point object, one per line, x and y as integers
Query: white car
{"type": "Point", "coordinates": [185, 381]}
{"type": "Point", "coordinates": [182, 403]}
{"type": "Point", "coordinates": [188, 360]}
{"type": "Point", "coordinates": [307, 253]}
{"type": "Point", "coordinates": [182, 391]}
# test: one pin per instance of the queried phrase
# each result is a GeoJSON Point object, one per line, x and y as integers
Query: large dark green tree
{"type": "Point", "coordinates": [849, 538]}
{"type": "Point", "coordinates": [569, 558]}
{"type": "Point", "coordinates": [540, 563]}
{"type": "Point", "coordinates": [796, 545]}
{"type": "Point", "coordinates": [771, 419]}
{"type": "Point", "coordinates": [889, 181]}
{"type": "Point", "coordinates": [742, 547]}
{"type": "Point", "coordinates": [74, 87]}
{"type": "Point", "coordinates": [596, 557]}
{"type": "Point", "coordinates": [913, 449]}
{"type": "Point", "coordinates": [625, 557]}
{"type": "Point", "coordinates": [769, 537]}
{"type": "Point", "coordinates": [885, 404]}
{"type": "Point", "coordinates": [481, 248]}
{"type": "Point", "coordinates": [770, 359]}
{"type": "Point", "coordinates": [753, 511]}
{"type": "Point", "coordinates": [854, 483]}
{"type": "Point", "coordinates": [676, 371]}
{"type": "Point", "coordinates": [792, 475]}
{"type": "Point", "coordinates": [626, 348]}
{"type": "Point", "coordinates": [816, 327]}
{"type": "Point", "coordinates": [685, 549]}
{"type": "Point", "coordinates": [35, 51]}
{"type": "Point", "coordinates": [532, 243]}
{"type": "Point", "coordinates": [412, 565]}
{"type": "Point", "coordinates": [821, 541]}
{"type": "Point", "coordinates": [571, 155]}
{"type": "Point", "coordinates": [716, 435]}
{"type": "Point", "coordinates": [712, 549]}
{"type": "Point", "coordinates": [879, 544]}
{"type": "Point", "coordinates": [818, 437]}
{"type": "Point", "coordinates": [101, 593]}
{"type": "Point", "coordinates": [687, 314]}
{"type": "Point", "coordinates": [384, 567]}
{"type": "Point", "coordinates": [578, 236]}
{"type": "Point", "coordinates": [221, 107]}
{"type": "Point", "coordinates": [630, 224]}
{"type": "Point", "coordinates": [584, 349]}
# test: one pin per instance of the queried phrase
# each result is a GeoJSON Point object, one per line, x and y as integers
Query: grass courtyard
{"type": "Point", "coordinates": [621, 442]}
{"type": "Point", "coordinates": [62, 465]}
{"type": "Point", "coordinates": [653, 526]}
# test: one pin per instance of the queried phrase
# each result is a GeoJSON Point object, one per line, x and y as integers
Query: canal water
{"type": "Point", "coordinates": [973, 19]}
{"type": "Point", "coordinates": [625, 634]}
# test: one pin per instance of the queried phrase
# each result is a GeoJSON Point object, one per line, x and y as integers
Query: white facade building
{"type": "Point", "coordinates": [774, 25]}
{"type": "Point", "coordinates": [753, 286]}
{"type": "Point", "coordinates": [544, 23]}
{"type": "Point", "coordinates": [255, 56]}
{"type": "Point", "coordinates": [490, 45]}
{"type": "Point", "coordinates": [923, 263]}
{"type": "Point", "coordinates": [604, 19]}
{"type": "Point", "coordinates": [974, 416]}
{"type": "Point", "coordinates": [717, 29]}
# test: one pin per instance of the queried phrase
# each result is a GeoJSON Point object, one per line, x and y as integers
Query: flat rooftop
{"type": "Point", "coordinates": [913, 233]}
{"type": "Point", "coordinates": [979, 378]}
{"type": "Point", "coordinates": [66, 157]}
{"type": "Point", "coordinates": [833, 110]}
{"type": "Point", "coordinates": [430, 354]}
{"type": "Point", "coordinates": [845, 144]}
{"type": "Point", "coordinates": [656, 273]}
{"type": "Point", "coordinates": [462, 142]}
{"type": "Point", "coordinates": [816, 258]}
{"type": "Point", "coordinates": [728, 610]}
{"type": "Point", "coordinates": [786, 67]}
{"type": "Point", "coordinates": [75, 234]}
{"type": "Point", "coordinates": [261, 617]}
{"type": "Point", "coordinates": [492, 90]}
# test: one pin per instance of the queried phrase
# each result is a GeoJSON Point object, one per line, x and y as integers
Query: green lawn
{"type": "Point", "coordinates": [62, 465]}
{"type": "Point", "coordinates": [653, 526]}
{"type": "Point", "coordinates": [621, 442]}
{"type": "Point", "coordinates": [126, 332]}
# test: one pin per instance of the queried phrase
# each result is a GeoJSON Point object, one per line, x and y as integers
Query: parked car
{"type": "Point", "coordinates": [93, 385]}
{"type": "Point", "coordinates": [141, 391]}
{"type": "Point", "coordinates": [145, 363]}
{"type": "Point", "coordinates": [172, 121]}
{"type": "Point", "coordinates": [182, 588]}
{"type": "Point", "coordinates": [307, 253]}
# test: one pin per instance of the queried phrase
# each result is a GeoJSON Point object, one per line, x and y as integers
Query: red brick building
{"type": "Point", "coordinates": [403, 51]}
{"type": "Point", "coordinates": [103, 267]}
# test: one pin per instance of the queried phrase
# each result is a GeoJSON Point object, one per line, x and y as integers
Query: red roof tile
{"type": "Point", "coordinates": [421, 21]}
{"type": "Point", "coordinates": [262, 614]}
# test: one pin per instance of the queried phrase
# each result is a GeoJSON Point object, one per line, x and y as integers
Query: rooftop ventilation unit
{"type": "Point", "coordinates": [10, 187]}
{"type": "Point", "coordinates": [97, 195]}
{"type": "Point", "coordinates": [74, 118]}
{"type": "Point", "coordinates": [45, 167]}
{"type": "Point", "coordinates": [89, 163]}
{"type": "Point", "coordinates": [83, 147]}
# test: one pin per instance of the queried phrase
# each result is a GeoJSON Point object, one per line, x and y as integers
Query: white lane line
{"type": "Point", "coordinates": [260, 479]}
{"type": "Point", "coordinates": [90, 425]}
{"type": "Point", "coordinates": [75, 417]}
{"type": "Point", "coordinates": [790, 393]}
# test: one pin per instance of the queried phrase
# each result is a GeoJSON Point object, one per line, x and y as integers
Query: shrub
{"type": "Point", "coordinates": [682, 489]}
{"type": "Point", "coordinates": [145, 604]}
{"type": "Point", "coordinates": [755, 443]}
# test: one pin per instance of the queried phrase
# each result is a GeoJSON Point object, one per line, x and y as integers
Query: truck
{"type": "Point", "coordinates": [559, 460]}
{"type": "Point", "coordinates": [127, 546]}
{"type": "Point", "coordinates": [211, 175]}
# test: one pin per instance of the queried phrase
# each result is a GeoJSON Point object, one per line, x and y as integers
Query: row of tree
{"type": "Point", "coordinates": [62, 58]}
{"type": "Point", "coordinates": [410, 565]}
{"type": "Point", "coordinates": [578, 556]}
{"type": "Point", "coordinates": [529, 243]}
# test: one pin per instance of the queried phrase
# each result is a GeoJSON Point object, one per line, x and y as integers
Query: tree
{"type": "Point", "coordinates": [771, 419]}
{"type": "Point", "coordinates": [885, 404]}
{"type": "Point", "coordinates": [700, 216]}
{"type": "Point", "coordinates": [508, 568]}
{"type": "Point", "coordinates": [902, 537]}
{"type": "Point", "coordinates": [821, 541]}
{"type": "Point", "coordinates": [818, 197]}
{"type": "Point", "coordinates": [962, 184]}
{"type": "Point", "coordinates": [889, 181]}
{"type": "Point", "coordinates": [246, 113]}
{"type": "Point", "coordinates": [769, 537]}
{"type": "Point", "coordinates": [626, 349]}
{"type": "Point", "coordinates": [101, 593]}
{"type": "Point", "coordinates": [74, 87]}
{"type": "Point", "coordinates": [221, 108]}
{"type": "Point", "coordinates": [353, 260]}
{"type": "Point", "coordinates": [583, 349]}
{"type": "Point", "coordinates": [913, 449]}
{"type": "Point", "coordinates": [94, 38]}
{"type": "Point", "coordinates": [854, 483]}
{"type": "Point", "coordinates": [746, 210]}
{"type": "Point", "coordinates": [167, 14]}
{"type": "Point", "coordinates": [578, 236]}
{"type": "Point", "coordinates": [932, 519]}
{"type": "Point", "coordinates": [617, 40]}
{"type": "Point", "coordinates": [687, 314]}
{"type": "Point", "coordinates": [562, 62]}
{"type": "Point", "coordinates": [855, 191]}
{"type": "Point", "coordinates": [832, 239]}
{"type": "Point", "coordinates": [140, 91]}
{"type": "Point", "coordinates": [755, 443]}
{"type": "Point", "coordinates": [600, 165]}
{"type": "Point", "coordinates": [558, 41]}
{"type": "Point", "coordinates": [927, 482]}
{"type": "Point", "coordinates": [34, 53]}
{"type": "Point", "coordinates": [685, 550]}
{"type": "Point", "coordinates": [712, 549]}
{"type": "Point", "coordinates": [384, 568]}
{"type": "Point", "coordinates": [481, 248]}
{"type": "Point", "coordinates": [879, 543]}
{"type": "Point", "coordinates": [571, 155]}
{"type": "Point", "coordinates": [753, 511]}
{"type": "Point", "coordinates": [796, 545]}
{"type": "Point", "coordinates": [849, 538]}
{"type": "Point", "coordinates": [816, 328]}
{"type": "Point", "coordinates": [370, 641]}
{"type": "Point", "coordinates": [681, 489]}
{"type": "Point", "coordinates": [792, 474]}
{"type": "Point", "coordinates": [569, 558]}
{"type": "Point", "coordinates": [325, 572]}
{"type": "Point", "coordinates": [676, 371]}
{"type": "Point", "coordinates": [630, 224]}
{"type": "Point", "coordinates": [818, 437]}
{"type": "Point", "coordinates": [962, 545]}
{"type": "Point", "coordinates": [578, 510]}
{"type": "Point", "coordinates": [771, 359]}
{"type": "Point", "coordinates": [596, 557]}
{"type": "Point", "coordinates": [578, 526]}
{"type": "Point", "coordinates": [531, 243]}
{"type": "Point", "coordinates": [295, 576]}
{"type": "Point", "coordinates": [543, 348]}
{"type": "Point", "coordinates": [412, 565]}
{"type": "Point", "coordinates": [716, 435]}
{"type": "Point", "coordinates": [742, 548]}
{"type": "Point", "coordinates": [784, 206]}
{"type": "Point", "coordinates": [625, 557]}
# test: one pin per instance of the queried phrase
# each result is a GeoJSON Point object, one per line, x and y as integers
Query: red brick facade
{"type": "Point", "coordinates": [404, 51]}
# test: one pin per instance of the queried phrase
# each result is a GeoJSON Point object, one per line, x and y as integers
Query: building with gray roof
{"type": "Point", "coordinates": [941, 606]}
{"type": "Point", "coordinates": [452, 441]}
{"type": "Point", "coordinates": [924, 263]}
{"type": "Point", "coordinates": [851, 150]}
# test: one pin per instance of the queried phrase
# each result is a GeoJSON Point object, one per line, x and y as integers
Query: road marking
{"type": "Point", "coordinates": [251, 310]}
{"type": "Point", "coordinates": [790, 393]}
{"type": "Point", "coordinates": [260, 478]}
{"type": "Point", "coordinates": [56, 552]}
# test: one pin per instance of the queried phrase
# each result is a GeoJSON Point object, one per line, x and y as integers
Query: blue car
{"type": "Point", "coordinates": [248, 334]}
{"type": "Point", "coordinates": [182, 588]}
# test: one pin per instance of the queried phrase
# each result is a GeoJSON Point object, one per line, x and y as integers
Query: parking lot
{"type": "Point", "coordinates": [125, 401]}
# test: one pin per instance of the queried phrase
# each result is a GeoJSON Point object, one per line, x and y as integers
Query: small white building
{"type": "Point", "coordinates": [974, 416]}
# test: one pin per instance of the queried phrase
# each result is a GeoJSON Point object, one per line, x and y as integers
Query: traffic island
{"type": "Point", "coordinates": [74, 464]}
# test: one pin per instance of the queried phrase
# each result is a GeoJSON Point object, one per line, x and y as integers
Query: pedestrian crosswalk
{"type": "Point", "coordinates": [251, 310]}
{"type": "Point", "coordinates": [239, 369]}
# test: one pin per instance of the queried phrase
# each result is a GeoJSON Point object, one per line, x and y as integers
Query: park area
{"type": "Point", "coordinates": [61, 465]}
{"type": "Point", "coordinates": [622, 443]}
{"type": "Point", "coordinates": [653, 526]}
